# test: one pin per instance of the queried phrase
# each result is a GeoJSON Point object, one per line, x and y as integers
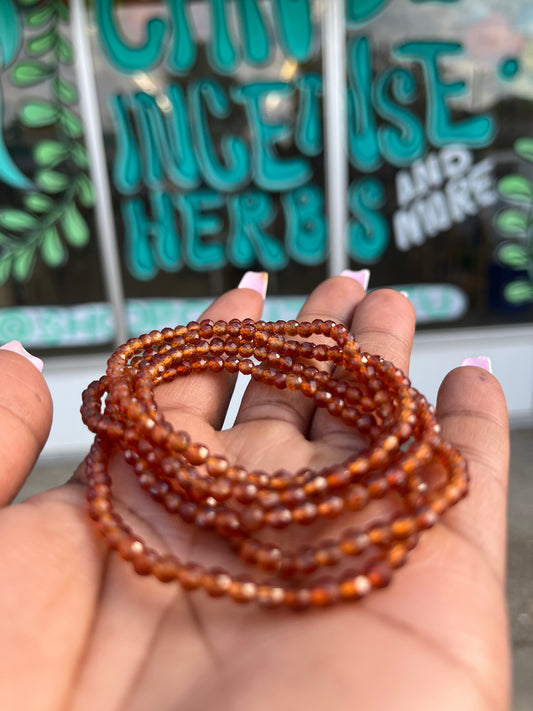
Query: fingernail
{"type": "Point", "coordinates": [362, 276]}
{"type": "Point", "coordinates": [257, 281]}
{"type": "Point", "coordinates": [17, 347]}
{"type": "Point", "coordinates": [479, 362]}
{"type": "Point", "coordinates": [404, 293]}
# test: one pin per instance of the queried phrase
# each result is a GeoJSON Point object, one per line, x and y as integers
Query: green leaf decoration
{"type": "Point", "coordinates": [524, 148]}
{"type": "Point", "coordinates": [74, 227]}
{"type": "Point", "coordinates": [513, 256]}
{"type": "Point", "coordinates": [511, 222]}
{"type": "Point", "coordinates": [62, 12]}
{"type": "Point", "coordinates": [5, 269]}
{"type": "Point", "coordinates": [23, 261]}
{"type": "Point", "coordinates": [519, 292]}
{"type": "Point", "coordinates": [51, 181]}
{"type": "Point", "coordinates": [51, 220]}
{"type": "Point", "coordinates": [85, 191]}
{"type": "Point", "coordinates": [37, 202]}
{"type": "Point", "coordinates": [29, 73]}
{"type": "Point", "coordinates": [49, 153]}
{"type": "Point", "coordinates": [37, 113]}
{"type": "Point", "coordinates": [66, 92]}
{"type": "Point", "coordinates": [17, 220]}
{"type": "Point", "coordinates": [52, 249]}
{"type": "Point", "coordinates": [64, 50]}
{"type": "Point", "coordinates": [71, 124]}
{"type": "Point", "coordinates": [40, 16]}
{"type": "Point", "coordinates": [79, 156]}
{"type": "Point", "coordinates": [40, 44]}
{"type": "Point", "coordinates": [517, 188]}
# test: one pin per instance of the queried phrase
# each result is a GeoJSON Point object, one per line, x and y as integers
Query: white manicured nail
{"type": "Point", "coordinates": [17, 347]}
{"type": "Point", "coordinates": [479, 362]}
{"type": "Point", "coordinates": [257, 281]}
{"type": "Point", "coordinates": [362, 276]}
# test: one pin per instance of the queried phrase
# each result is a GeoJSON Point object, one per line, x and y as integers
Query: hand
{"type": "Point", "coordinates": [79, 630]}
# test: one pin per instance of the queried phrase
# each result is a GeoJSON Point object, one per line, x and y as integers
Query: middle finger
{"type": "Point", "coordinates": [335, 299]}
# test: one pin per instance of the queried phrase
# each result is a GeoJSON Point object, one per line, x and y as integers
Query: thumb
{"type": "Point", "coordinates": [25, 417]}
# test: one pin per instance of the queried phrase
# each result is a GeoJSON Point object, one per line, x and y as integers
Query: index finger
{"type": "Point", "coordinates": [208, 395]}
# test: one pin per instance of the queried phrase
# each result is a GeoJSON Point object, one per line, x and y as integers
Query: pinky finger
{"type": "Point", "coordinates": [473, 414]}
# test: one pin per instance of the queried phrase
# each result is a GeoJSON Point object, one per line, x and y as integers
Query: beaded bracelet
{"type": "Point", "coordinates": [373, 396]}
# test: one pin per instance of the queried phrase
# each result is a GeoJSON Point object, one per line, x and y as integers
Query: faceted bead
{"type": "Point", "coordinates": [270, 597]}
{"type": "Point", "coordinates": [217, 582]}
{"type": "Point", "coordinates": [196, 453]}
{"type": "Point", "coordinates": [129, 547]}
{"type": "Point", "coordinates": [191, 576]}
{"type": "Point", "coordinates": [243, 591]}
{"type": "Point", "coordinates": [325, 593]}
{"type": "Point", "coordinates": [143, 563]}
{"type": "Point", "coordinates": [353, 541]}
{"type": "Point", "coordinates": [354, 588]}
{"type": "Point", "coordinates": [328, 553]}
{"type": "Point", "coordinates": [403, 527]}
{"type": "Point", "coordinates": [299, 599]}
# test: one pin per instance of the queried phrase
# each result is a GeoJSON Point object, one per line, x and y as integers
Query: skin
{"type": "Point", "coordinates": [79, 630]}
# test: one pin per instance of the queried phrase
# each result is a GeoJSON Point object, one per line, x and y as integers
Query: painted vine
{"type": "Point", "coordinates": [516, 224]}
{"type": "Point", "coordinates": [51, 220]}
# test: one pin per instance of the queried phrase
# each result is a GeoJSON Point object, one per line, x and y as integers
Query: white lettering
{"type": "Point", "coordinates": [481, 183]}
{"type": "Point", "coordinates": [459, 199]}
{"type": "Point", "coordinates": [405, 191]}
{"type": "Point", "coordinates": [455, 161]}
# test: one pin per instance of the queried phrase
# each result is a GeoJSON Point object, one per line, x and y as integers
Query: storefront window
{"type": "Point", "coordinates": [439, 121]}
{"type": "Point", "coordinates": [50, 277]}
{"type": "Point", "coordinates": [214, 140]}
{"type": "Point", "coordinates": [208, 118]}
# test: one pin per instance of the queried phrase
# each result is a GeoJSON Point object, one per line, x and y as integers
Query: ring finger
{"type": "Point", "coordinates": [383, 324]}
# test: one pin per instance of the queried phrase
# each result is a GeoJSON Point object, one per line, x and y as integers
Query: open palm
{"type": "Point", "coordinates": [79, 630]}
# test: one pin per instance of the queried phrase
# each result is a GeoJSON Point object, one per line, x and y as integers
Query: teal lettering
{"type": "Point", "coordinates": [476, 131]}
{"type": "Point", "coordinates": [126, 58]}
{"type": "Point", "coordinates": [183, 55]}
{"type": "Point", "coordinates": [362, 130]}
{"type": "Point", "coordinates": [404, 141]}
{"type": "Point", "coordinates": [150, 243]}
{"type": "Point", "coordinates": [308, 133]}
{"type": "Point", "coordinates": [295, 28]}
{"type": "Point", "coordinates": [165, 140]}
{"type": "Point", "coordinates": [271, 173]}
{"type": "Point", "coordinates": [305, 233]}
{"type": "Point", "coordinates": [249, 215]}
{"type": "Point", "coordinates": [10, 33]}
{"type": "Point", "coordinates": [198, 222]}
{"type": "Point", "coordinates": [255, 38]}
{"type": "Point", "coordinates": [363, 10]}
{"type": "Point", "coordinates": [221, 53]}
{"type": "Point", "coordinates": [127, 168]}
{"type": "Point", "coordinates": [208, 94]}
{"type": "Point", "coordinates": [10, 39]}
{"type": "Point", "coordinates": [368, 237]}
